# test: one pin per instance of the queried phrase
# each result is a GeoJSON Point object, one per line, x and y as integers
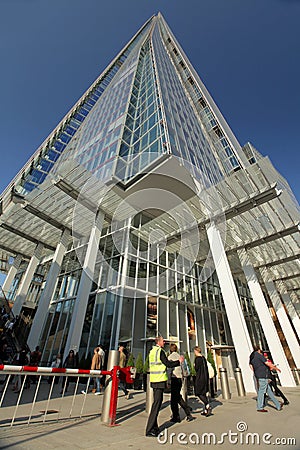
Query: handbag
{"type": "Point", "coordinates": [185, 370]}
{"type": "Point", "coordinates": [211, 372]}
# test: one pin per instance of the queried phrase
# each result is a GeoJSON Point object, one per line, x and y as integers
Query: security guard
{"type": "Point", "coordinates": [158, 363]}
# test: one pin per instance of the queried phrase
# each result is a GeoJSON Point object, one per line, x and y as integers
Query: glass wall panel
{"type": "Point", "coordinates": [139, 324]}
{"type": "Point", "coordinates": [183, 327]}
{"type": "Point", "coordinates": [56, 348]}
{"type": "Point", "coordinates": [173, 320]}
{"type": "Point", "coordinates": [107, 319]}
{"type": "Point", "coordinates": [213, 319]}
{"type": "Point", "coordinates": [96, 322]}
{"type": "Point", "coordinates": [223, 340]}
{"type": "Point", "coordinates": [126, 320]}
{"type": "Point", "coordinates": [87, 323]}
{"type": "Point", "coordinates": [207, 325]}
{"type": "Point", "coordinates": [200, 328]}
{"type": "Point", "coordinates": [163, 317]}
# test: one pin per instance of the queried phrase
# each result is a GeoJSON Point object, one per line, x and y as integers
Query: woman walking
{"type": "Point", "coordinates": [202, 380]}
{"type": "Point", "coordinates": [70, 363]}
{"type": "Point", "coordinates": [175, 379]}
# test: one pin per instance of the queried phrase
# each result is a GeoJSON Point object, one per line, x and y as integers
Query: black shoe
{"type": "Point", "coordinates": [175, 420]}
{"type": "Point", "coordinates": [286, 402]}
{"type": "Point", "coordinates": [189, 418]}
{"type": "Point", "coordinates": [152, 433]}
{"type": "Point", "coordinates": [206, 412]}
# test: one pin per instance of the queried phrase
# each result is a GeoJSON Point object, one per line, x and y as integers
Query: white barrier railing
{"type": "Point", "coordinates": [25, 372]}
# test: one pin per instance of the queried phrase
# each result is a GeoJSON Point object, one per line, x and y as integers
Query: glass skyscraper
{"type": "Point", "coordinates": [142, 214]}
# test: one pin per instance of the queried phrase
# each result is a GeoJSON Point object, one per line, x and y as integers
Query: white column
{"type": "Point", "coordinates": [48, 291]}
{"type": "Point", "coordinates": [11, 274]}
{"type": "Point", "coordinates": [84, 288]}
{"type": "Point", "coordinates": [26, 280]}
{"type": "Point", "coordinates": [237, 323]}
{"type": "Point", "coordinates": [289, 306]}
{"type": "Point", "coordinates": [282, 317]}
{"type": "Point", "coordinates": [296, 302]}
{"type": "Point", "coordinates": [116, 324]}
{"type": "Point", "coordinates": [267, 323]}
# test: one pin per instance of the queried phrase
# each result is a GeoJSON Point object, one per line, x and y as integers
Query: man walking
{"type": "Point", "coordinates": [158, 363]}
{"type": "Point", "coordinates": [259, 365]}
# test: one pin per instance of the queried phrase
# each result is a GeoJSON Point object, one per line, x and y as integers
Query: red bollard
{"type": "Point", "coordinates": [114, 396]}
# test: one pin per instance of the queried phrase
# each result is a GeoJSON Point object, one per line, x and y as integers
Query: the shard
{"type": "Point", "coordinates": [142, 214]}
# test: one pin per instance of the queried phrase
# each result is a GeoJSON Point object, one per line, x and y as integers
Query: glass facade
{"type": "Point", "coordinates": [188, 310]}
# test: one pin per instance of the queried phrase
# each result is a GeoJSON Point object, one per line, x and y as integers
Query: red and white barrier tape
{"type": "Point", "coordinates": [51, 370]}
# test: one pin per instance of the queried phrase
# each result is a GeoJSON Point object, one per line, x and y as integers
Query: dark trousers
{"type": "Point", "coordinates": [156, 405]}
{"type": "Point", "coordinates": [277, 391]}
{"type": "Point", "coordinates": [204, 399]}
{"type": "Point", "coordinates": [122, 386]}
{"type": "Point", "coordinates": [212, 387]}
{"type": "Point", "coordinates": [176, 398]}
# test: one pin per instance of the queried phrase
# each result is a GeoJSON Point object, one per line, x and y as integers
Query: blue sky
{"type": "Point", "coordinates": [245, 51]}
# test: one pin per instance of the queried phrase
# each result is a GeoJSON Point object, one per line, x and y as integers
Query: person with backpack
{"type": "Point", "coordinates": [176, 375]}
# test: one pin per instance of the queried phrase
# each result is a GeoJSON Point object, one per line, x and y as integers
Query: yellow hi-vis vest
{"type": "Point", "coordinates": [158, 371]}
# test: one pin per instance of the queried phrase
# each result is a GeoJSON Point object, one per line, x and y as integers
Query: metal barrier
{"type": "Point", "coordinates": [24, 373]}
{"type": "Point", "coordinates": [239, 382]}
{"type": "Point", "coordinates": [224, 383]}
{"type": "Point", "coordinates": [110, 388]}
{"type": "Point", "coordinates": [149, 395]}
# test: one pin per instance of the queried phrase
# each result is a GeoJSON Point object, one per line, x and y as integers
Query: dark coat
{"type": "Point", "coordinates": [70, 363]}
{"type": "Point", "coordinates": [201, 379]}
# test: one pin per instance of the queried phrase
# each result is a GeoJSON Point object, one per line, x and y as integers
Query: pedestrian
{"type": "Point", "coordinates": [259, 366]}
{"type": "Point", "coordinates": [21, 360]}
{"type": "Point", "coordinates": [69, 363]}
{"type": "Point", "coordinates": [103, 365]}
{"type": "Point", "coordinates": [95, 365]}
{"type": "Point", "coordinates": [158, 363]}
{"type": "Point", "coordinates": [3, 353]}
{"type": "Point", "coordinates": [34, 360]}
{"type": "Point", "coordinates": [122, 364]}
{"type": "Point", "coordinates": [255, 380]}
{"type": "Point", "coordinates": [10, 326]}
{"type": "Point", "coordinates": [273, 381]}
{"type": "Point", "coordinates": [175, 380]}
{"type": "Point", "coordinates": [56, 364]}
{"type": "Point", "coordinates": [201, 386]}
